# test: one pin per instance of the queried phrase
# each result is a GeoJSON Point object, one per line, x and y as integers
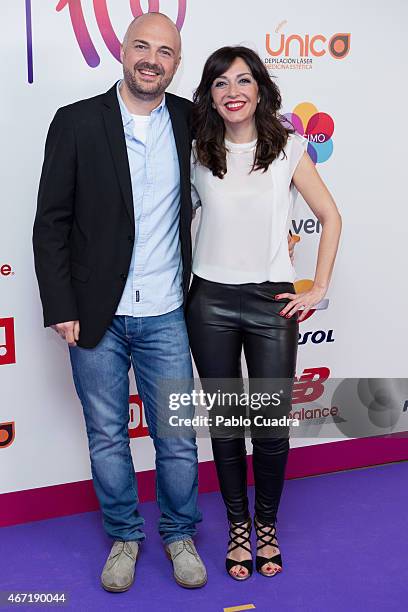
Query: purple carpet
{"type": "Point", "coordinates": [343, 539]}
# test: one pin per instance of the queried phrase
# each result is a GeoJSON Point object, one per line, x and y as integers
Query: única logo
{"type": "Point", "coordinates": [316, 126]}
{"type": "Point", "coordinates": [300, 51]}
{"type": "Point", "coordinates": [7, 434]}
{"type": "Point", "coordinates": [7, 341]}
{"type": "Point", "coordinates": [104, 23]}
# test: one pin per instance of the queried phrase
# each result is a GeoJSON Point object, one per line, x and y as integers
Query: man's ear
{"type": "Point", "coordinates": [122, 53]}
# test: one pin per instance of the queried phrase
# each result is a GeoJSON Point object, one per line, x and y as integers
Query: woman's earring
{"type": "Point", "coordinates": [259, 99]}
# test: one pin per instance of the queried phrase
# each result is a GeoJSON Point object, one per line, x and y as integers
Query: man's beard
{"type": "Point", "coordinates": [143, 90]}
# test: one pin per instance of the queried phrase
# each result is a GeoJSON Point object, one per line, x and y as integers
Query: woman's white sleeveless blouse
{"type": "Point", "coordinates": [245, 217]}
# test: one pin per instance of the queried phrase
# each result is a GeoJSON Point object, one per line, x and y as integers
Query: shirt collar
{"type": "Point", "coordinates": [126, 116]}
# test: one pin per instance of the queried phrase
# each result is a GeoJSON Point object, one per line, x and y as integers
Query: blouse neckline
{"type": "Point", "coordinates": [240, 147]}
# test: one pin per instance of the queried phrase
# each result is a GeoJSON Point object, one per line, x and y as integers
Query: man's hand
{"type": "Point", "coordinates": [292, 240]}
{"type": "Point", "coordinates": [68, 331]}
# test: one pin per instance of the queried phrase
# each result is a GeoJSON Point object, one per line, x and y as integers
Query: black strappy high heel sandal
{"type": "Point", "coordinates": [240, 531]}
{"type": "Point", "coordinates": [267, 535]}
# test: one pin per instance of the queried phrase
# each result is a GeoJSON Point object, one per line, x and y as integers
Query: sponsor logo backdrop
{"type": "Point", "coordinates": [338, 90]}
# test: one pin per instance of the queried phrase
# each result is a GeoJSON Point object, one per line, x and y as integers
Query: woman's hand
{"type": "Point", "coordinates": [305, 300]}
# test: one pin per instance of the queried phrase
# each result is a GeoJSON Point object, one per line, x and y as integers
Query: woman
{"type": "Point", "coordinates": [246, 170]}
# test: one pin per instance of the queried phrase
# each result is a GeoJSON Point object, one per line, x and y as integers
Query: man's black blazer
{"type": "Point", "coordinates": [84, 227]}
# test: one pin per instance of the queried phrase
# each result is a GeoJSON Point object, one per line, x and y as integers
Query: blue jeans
{"type": "Point", "coordinates": [158, 349]}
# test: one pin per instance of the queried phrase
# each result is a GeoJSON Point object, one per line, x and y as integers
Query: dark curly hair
{"type": "Point", "coordinates": [209, 128]}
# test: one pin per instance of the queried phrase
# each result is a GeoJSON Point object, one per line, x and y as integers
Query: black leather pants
{"type": "Point", "coordinates": [221, 320]}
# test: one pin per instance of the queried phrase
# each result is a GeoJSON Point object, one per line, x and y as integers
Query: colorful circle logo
{"type": "Point", "coordinates": [317, 127]}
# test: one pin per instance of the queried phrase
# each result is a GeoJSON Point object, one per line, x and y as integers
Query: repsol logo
{"type": "Point", "coordinates": [309, 226]}
{"type": "Point", "coordinates": [316, 337]}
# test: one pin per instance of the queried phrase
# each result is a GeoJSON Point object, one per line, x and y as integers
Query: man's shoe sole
{"type": "Point", "coordinates": [185, 584]}
{"type": "Point", "coordinates": [118, 589]}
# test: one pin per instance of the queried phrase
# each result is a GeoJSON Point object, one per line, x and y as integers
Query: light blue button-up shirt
{"type": "Point", "coordinates": [154, 282]}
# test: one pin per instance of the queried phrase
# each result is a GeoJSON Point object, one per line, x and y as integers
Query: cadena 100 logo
{"type": "Point", "coordinates": [314, 125]}
{"type": "Point", "coordinates": [298, 51]}
{"type": "Point", "coordinates": [81, 31]}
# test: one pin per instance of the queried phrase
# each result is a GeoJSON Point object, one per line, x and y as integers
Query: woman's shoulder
{"type": "Point", "coordinates": [296, 140]}
{"type": "Point", "coordinates": [293, 150]}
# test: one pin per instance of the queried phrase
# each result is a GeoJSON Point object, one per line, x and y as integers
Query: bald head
{"type": "Point", "coordinates": [150, 54]}
{"type": "Point", "coordinates": [157, 21]}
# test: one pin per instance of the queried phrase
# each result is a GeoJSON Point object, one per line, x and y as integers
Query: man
{"type": "Point", "coordinates": [112, 249]}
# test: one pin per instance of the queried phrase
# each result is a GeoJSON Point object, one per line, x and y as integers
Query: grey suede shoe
{"type": "Point", "coordinates": [119, 571]}
{"type": "Point", "coordinates": [189, 570]}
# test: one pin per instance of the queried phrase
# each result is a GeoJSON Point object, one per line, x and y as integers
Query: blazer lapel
{"type": "Point", "coordinates": [182, 138]}
{"type": "Point", "coordinates": [183, 144]}
{"type": "Point", "coordinates": [116, 138]}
